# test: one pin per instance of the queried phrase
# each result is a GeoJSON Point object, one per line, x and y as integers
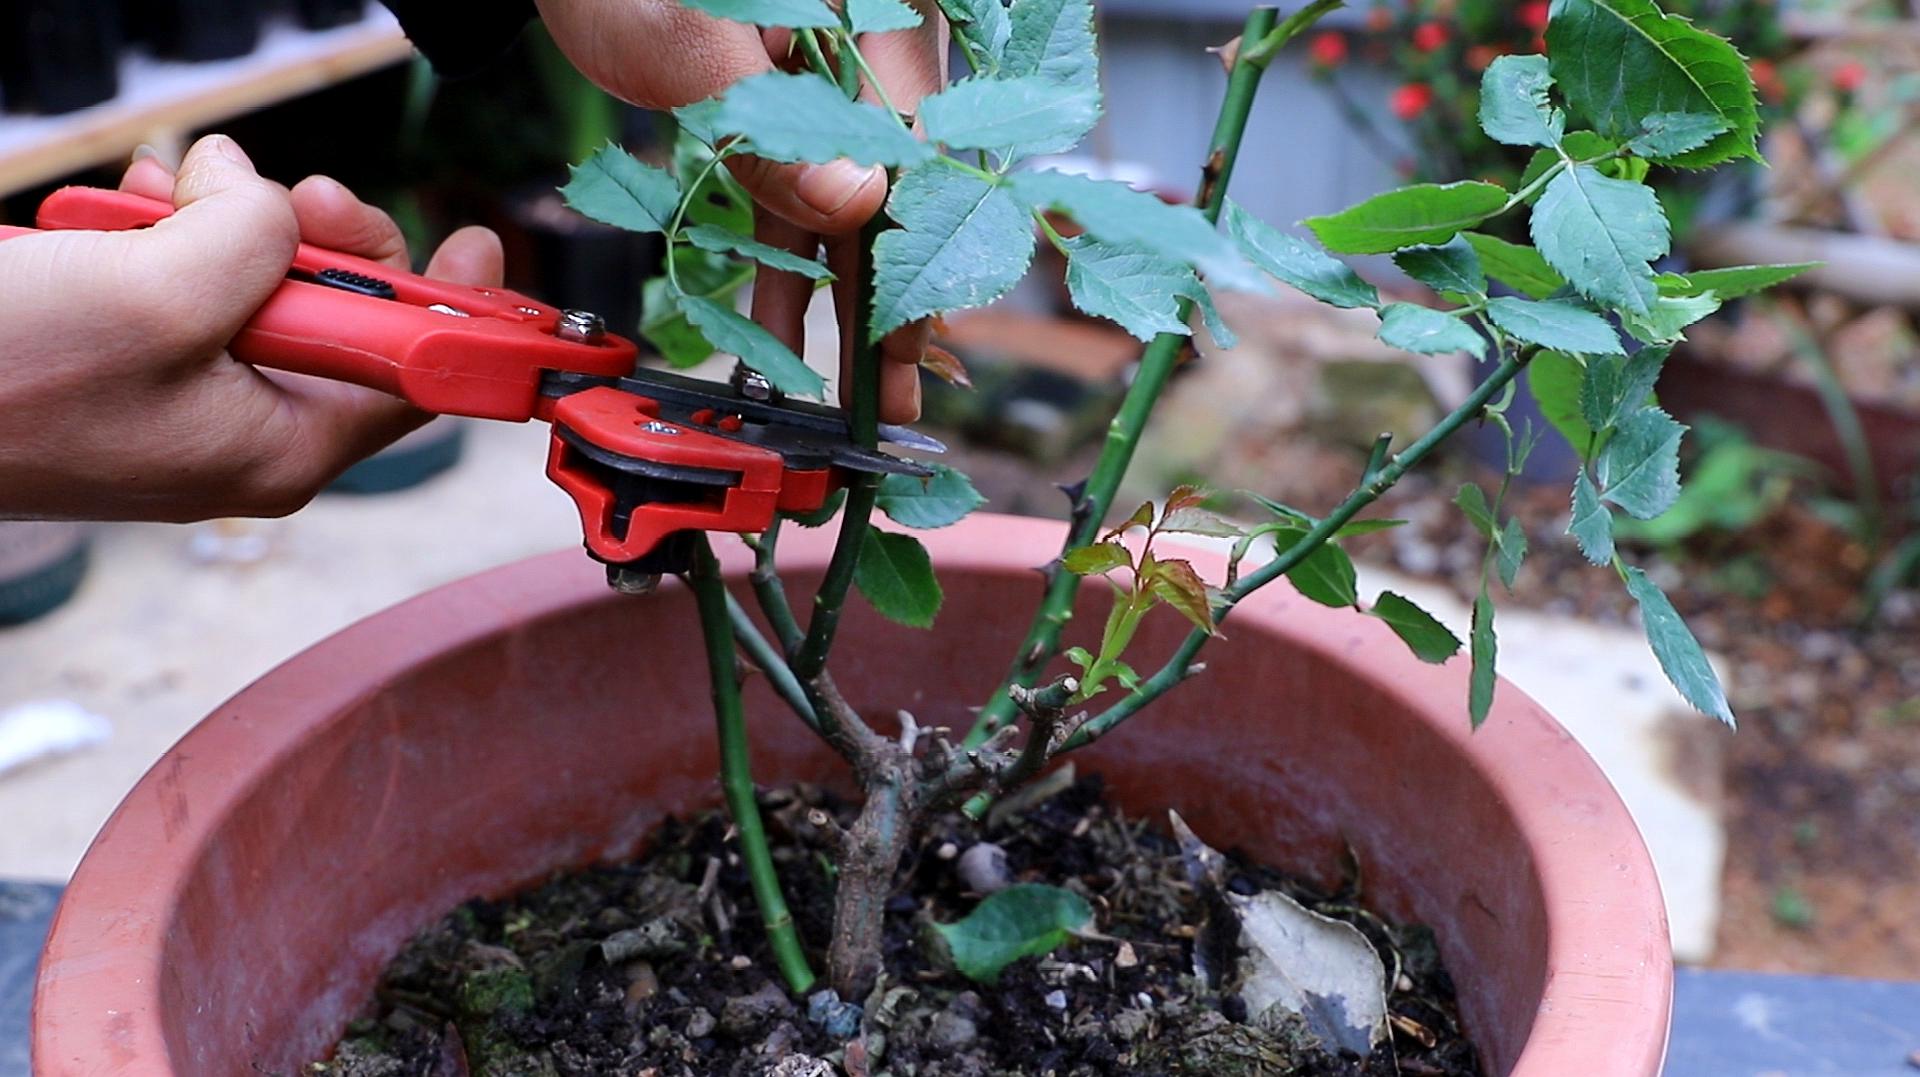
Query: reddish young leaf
{"type": "Point", "coordinates": [1178, 585]}
{"type": "Point", "coordinates": [1142, 517]}
{"type": "Point", "coordinates": [1199, 521]}
{"type": "Point", "coordinates": [946, 366]}
{"type": "Point", "coordinates": [1185, 497]}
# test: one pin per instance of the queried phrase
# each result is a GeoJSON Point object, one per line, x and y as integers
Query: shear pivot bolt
{"type": "Point", "coordinates": [629, 581]}
{"type": "Point", "coordinates": [581, 327]}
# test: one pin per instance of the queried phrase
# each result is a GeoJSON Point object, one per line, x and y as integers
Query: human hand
{"type": "Point", "coordinates": [121, 400]}
{"type": "Point", "coordinates": [660, 54]}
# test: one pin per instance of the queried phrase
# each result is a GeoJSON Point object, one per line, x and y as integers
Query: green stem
{"type": "Point", "coordinates": [873, 80]}
{"type": "Point", "coordinates": [1179, 667]}
{"type": "Point", "coordinates": [768, 590]}
{"type": "Point", "coordinates": [863, 419]}
{"type": "Point", "coordinates": [772, 663]}
{"type": "Point", "coordinates": [1269, 42]}
{"type": "Point", "coordinates": [962, 31]}
{"type": "Point", "coordinates": [816, 58]}
{"type": "Point", "coordinates": [736, 769]}
{"type": "Point", "coordinates": [1150, 379]}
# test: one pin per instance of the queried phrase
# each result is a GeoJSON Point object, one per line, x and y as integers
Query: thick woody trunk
{"type": "Point", "coordinates": [868, 861]}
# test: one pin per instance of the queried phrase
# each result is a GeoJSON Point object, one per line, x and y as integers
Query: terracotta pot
{"type": "Point", "coordinates": [240, 904]}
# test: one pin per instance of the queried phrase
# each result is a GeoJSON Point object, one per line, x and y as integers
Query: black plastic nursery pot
{"type": "Point", "coordinates": [327, 14]}
{"type": "Point", "coordinates": [555, 253]}
{"type": "Point", "coordinates": [57, 57]}
{"type": "Point", "coordinates": [195, 31]}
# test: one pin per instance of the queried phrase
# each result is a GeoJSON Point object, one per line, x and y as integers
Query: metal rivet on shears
{"type": "Point", "coordinates": [531, 312]}
{"type": "Point", "coordinates": [581, 327]}
{"type": "Point", "coordinates": [655, 426]}
{"type": "Point", "coordinates": [442, 308]}
{"type": "Point", "coordinates": [754, 385]}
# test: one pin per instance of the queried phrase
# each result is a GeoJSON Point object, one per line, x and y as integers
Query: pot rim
{"type": "Point", "coordinates": [97, 1003]}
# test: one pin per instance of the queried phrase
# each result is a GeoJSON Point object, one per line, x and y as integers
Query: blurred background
{"type": "Point", "coordinates": [1792, 846]}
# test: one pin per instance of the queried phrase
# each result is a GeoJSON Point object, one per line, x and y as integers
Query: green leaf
{"type": "Point", "coordinates": [1473, 501]}
{"type": "Point", "coordinates": [701, 273]}
{"type": "Point", "coordinates": [1423, 213]}
{"type": "Point", "coordinates": [1579, 146]}
{"type": "Point", "coordinates": [793, 14]}
{"type": "Point", "coordinates": [1620, 61]}
{"type": "Point", "coordinates": [1667, 322]}
{"type": "Point", "coordinates": [1485, 651]}
{"type": "Point", "coordinates": [710, 238]}
{"type": "Point", "coordinates": [1295, 262]}
{"type": "Point", "coordinates": [1053, 39]}
{"type": "Point", "coordinates": [896, 575]}
{"type": "Point", "coordinates": [613, 188]}
{"type": "Point", "coordinates": [1592, 525]}
{"type": "Point", "coordinates": [1135, 288]}
{"type": "Point", "coordinates": [1601, 234]}
{"type": "Point", "coordinates": [1097, 559]}
{"type": "Point", "coordinates": [1681, 658]}
{"type": "Point", "coordinates": [880, 16]}
{"type": "Point", "coordinates": [940, 501]}
{"type": "Point", "coordinates": [668, 330]}
{"type": "Point", "coordinates": [1032, 111]}
{"type": "Point", "coordinates": [1217, 327]}
{"type": "Point", "coordinates": [1557, 324]}
{"type": "Point", "coordinates": [731, 332]}
{"type": "Point", "coordinates": [1023, 920]}
{"type": "Point", "coordinates": [1512, 552]}
{"type": "Point", "coordinates": [1519, 267]}
{"type": "Point", "coordinates": [805, 118]}
{"type": "Point", "coordinates": [1415, 328]}
{"type": "Point", "coordinates": [1513, 103]}
{"type": "Point", "coordinates": [1429, 640]}
{"type": "Point", "coordinates": [1732, 282]}
{"type": "Point", "coordinates": [1665, 135]}
{"type": "Point", "coordinates": [962, 242]}
{"type": "Point", "coordinates": [1117, 213]}
{"type": "Point", "coordinates": [701, 120]}
{"type": "Point", "coordinates": [1555, 381]}
{"type": "Point", "coordinates": [1639, 469]}
{"type": "Point", "coordinates": [1326, 575]}
{"type": "Point", "coordinates": [990, 24]}
{"type": "Point", "coordinates": [1452, 269]}
{"type": "Point", "coordinates": [1614, 388]}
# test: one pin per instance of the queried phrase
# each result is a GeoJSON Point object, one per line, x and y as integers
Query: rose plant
{"type": "Point", "coordinates": [1583, 321]}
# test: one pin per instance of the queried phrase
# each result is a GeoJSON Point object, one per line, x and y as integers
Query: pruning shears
{"type": "Point", "coordinates": [649, 457]}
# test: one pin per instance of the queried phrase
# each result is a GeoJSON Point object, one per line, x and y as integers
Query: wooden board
{"type": "Point", "coordinates": [162, 104]}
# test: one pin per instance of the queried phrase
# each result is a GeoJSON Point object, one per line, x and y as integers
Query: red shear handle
{"type": "Point", "coordinates": [445, 347]}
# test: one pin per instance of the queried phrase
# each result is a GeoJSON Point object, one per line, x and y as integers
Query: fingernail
{"type": "Point", "coordinates": [142, 152]}
{"type": "Point", "coordinates": [230, 149]}
{"type": "Point", "coordinates": [826, 189]}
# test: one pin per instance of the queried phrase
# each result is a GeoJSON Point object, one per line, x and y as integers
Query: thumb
{"type": "Point", "coordinates": [227, 246]}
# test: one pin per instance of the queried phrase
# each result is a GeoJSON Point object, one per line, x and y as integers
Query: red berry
{"type": "Point", "coordinates": [1429, 36]}
{"type": "Point", "coordinates": [1329, 49]}
{"type": "Point", "coordinates": [1411, 100]}
{"type": "Point", "coordinates": [1533, 15]}
{"type": "Point", "coordinates": [1850, 76]}
{"type": "Point", "coordinates": [1380, 20]}
{"type": "Point", "coordinates": [1479, 57]}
